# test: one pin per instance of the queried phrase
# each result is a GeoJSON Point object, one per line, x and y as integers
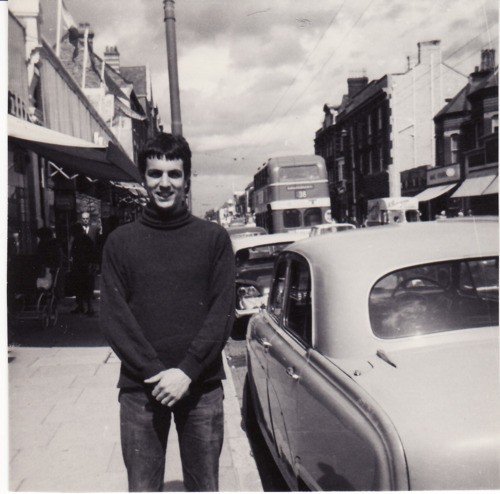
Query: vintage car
{"type": "Point", "coordinates": [375, 365]}
{"type": "Point", "coordinates": [330, 228]}
{"type": "Point", "coordinates": [245, 231]}
{"type": "Point", "coordinates": [254, 258]}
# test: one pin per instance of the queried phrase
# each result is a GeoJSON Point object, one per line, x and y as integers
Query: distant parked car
{"type": "Point", "coordinates": [246, 231]}
{"type": "Point", "coordinates": [254, 257]}
{"type": "Point", "coordinates": [375, 364]}
{"type": "Point", "coordinates": [330, 228]}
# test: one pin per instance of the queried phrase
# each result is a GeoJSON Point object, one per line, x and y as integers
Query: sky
{"type": "Point", "coordinates": [254, 75]}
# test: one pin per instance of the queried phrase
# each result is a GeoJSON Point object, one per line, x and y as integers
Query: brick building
{"type": "Point", "coordinates": [382, 128]}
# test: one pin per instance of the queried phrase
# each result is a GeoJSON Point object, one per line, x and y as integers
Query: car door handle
{"type": "Point", "coordinates": [264, 342]}
{"type": "Point", "coordinates": [291, 372]}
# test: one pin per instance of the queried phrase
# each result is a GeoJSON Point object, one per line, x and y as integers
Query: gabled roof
{"type": "Point", "coordinates": [138, 77]}
{"type": "Point", "coordinates": [490, 82]}
{"type": "Point", "coordinates": [461, 103]}
{"type": "Point", "coordinates": [349, 105]}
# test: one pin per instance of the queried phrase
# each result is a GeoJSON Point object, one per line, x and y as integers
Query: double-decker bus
{"type": "Point", "coordinates": [291, 193]}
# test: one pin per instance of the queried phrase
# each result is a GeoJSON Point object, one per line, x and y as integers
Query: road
{"type": "Point", "coordinates": [271, 478]}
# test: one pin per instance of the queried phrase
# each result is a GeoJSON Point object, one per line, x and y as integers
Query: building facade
{"type": "Point", "coordinates": [47, 103]}
{"type": "Point", "coordinates": [464, 180]}
{"type": "Point", "coordinates": [382, 128]}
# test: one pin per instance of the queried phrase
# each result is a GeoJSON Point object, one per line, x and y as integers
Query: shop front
{"type": "Point", "coordinates": [441, 182]}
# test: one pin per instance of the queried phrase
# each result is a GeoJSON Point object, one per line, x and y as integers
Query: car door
{"type": "Point", "coordinates": [287, 358]}
{"type": "Point", "coordinates": [260, 336]}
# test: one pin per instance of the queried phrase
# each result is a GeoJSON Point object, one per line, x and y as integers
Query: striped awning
{"type": "Point", "coordinates": [433, 192]}
{"type": "Point", "coordinates": [72, 154]}
{"type": "Point", "coordinates": [474, 186]}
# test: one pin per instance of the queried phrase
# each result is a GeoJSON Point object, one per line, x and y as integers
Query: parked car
{"type": "Point", "coordinates": [330, 228]}
{"type": "Point", "coordinates": [245, 231]}
{"type": "Point", "coordinates": [254, 258]}
{"type": "Point", "coordinates": [375, 364]}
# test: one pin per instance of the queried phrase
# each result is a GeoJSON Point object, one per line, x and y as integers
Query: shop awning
{"type": "Point", "coordinates": [474, 186]}
{"type": "Point", "coordinates": [433, 192]}
{"type": "Point", "coordinates": [492, 188]}
{"type": "Point", "coordinates": [74, 155]}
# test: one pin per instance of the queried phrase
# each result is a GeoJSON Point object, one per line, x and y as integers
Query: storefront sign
{"type": "Point", "coordinates": [443, 175]}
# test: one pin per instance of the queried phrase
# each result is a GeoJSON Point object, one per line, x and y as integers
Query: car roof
{"type": "Point", "coordinates": [245, 228]}
{"type": "Point", "coordinates": [387, 248]}
{"type": "Point", "coordinates": [345, 267]}
{"type": "Point", "coordinates": [273, 238]}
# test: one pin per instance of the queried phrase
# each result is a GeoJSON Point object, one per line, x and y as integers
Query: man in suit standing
{"type": "Point", "coordinates": [94, 233]}
{"type": "Point", "coordinates": [91, 230]}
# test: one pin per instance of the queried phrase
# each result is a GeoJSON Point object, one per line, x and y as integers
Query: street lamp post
{"type": "Point", "coordinates": [173, 76]}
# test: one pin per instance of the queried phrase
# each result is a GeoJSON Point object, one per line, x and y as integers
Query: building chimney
{"type": "Point", "coordinates": [427, 49]}
{"type": "Point", "coordinates": [487, 66]}
{"type": "Point", "coordinates": [112, 57]}
{"type": "Point", "coordinates": [355, 85]}
{"type": "Point", "coordinates": [488, 59]}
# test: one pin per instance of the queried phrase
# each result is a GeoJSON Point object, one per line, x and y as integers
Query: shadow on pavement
{"type": "Point", "coordinates": [70, 330]}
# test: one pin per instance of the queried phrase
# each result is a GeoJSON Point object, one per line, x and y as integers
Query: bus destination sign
{"type": "Point", "coordinates": [300, 187]}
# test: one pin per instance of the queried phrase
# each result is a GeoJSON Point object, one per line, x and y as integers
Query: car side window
{"type": "Point", "coordinates": [298, 312]}
{"type": "Point", "coordinates": [276, 295]}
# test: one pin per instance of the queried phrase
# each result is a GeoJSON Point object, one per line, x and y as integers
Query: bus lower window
{"type": "Point", "coordinates": [291, 218]}
{"type": "Point", "coordinates": [312, 216]}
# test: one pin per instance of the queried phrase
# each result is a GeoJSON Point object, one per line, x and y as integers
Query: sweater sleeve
{"type": "Point", "coordinates": [117, 321]}
{"type": "Point", "coordinates": [210, 340]}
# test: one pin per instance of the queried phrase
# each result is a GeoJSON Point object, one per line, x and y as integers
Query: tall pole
{"type": "Point", "coordinates": [58, 28]}
{"type": "Point", "coordinates": [173, 76]}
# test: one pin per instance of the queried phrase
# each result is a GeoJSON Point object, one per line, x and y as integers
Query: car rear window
{"type": "Point", "coordinates": [435, 297]}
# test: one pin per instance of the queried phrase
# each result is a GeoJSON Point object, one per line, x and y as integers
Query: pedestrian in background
{"type": "Point", "coordinates": [167, 303]}
{"type": "Point", "coordinates": [49, 257]}
{"type": "Point", "coordinates": [93, 231]}
{"type": "Point", "coordinates": [82, 262]}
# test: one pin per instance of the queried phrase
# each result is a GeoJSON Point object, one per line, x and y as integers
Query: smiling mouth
{"type": "Point", "coordinates": [164, 197]}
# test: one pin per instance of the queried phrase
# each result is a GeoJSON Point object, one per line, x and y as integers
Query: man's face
{"type": "Point", "coordinates": [165, 183]}
{"type": "Point", "coordinates": [85, 219]}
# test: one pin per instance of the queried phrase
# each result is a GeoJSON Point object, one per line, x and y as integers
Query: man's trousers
{"type": "Point", "coordinates": [144, 425]}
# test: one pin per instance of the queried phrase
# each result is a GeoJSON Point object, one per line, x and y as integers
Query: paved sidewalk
{"type": "Point", "coordinates": [63, 417]}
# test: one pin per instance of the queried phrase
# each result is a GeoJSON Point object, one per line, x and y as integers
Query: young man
{"type": "Point", "coordinates": [167, 303]}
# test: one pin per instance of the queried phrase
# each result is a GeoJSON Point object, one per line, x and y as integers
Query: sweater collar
{"type": "Point", "coordinates": [155, 218]}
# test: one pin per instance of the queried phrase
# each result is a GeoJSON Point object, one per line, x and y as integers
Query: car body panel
{"type": "Point", "coordinates": [464, 428]}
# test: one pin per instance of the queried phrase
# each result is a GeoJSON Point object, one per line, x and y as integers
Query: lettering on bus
{"type": "Point", "coordinates": [299, 187]}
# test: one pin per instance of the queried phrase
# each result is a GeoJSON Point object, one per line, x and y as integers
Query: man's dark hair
{"type": "Point", "coordinates": [169, 147]}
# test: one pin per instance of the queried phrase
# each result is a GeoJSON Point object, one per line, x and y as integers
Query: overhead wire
{"type": "Point", "coordinates": [283, 94]}
{"type": "Point", "coordinates": [328, 59]}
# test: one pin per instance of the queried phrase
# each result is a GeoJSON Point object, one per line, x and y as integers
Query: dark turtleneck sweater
{"type": "Point", "coordinates": [167, 296]}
